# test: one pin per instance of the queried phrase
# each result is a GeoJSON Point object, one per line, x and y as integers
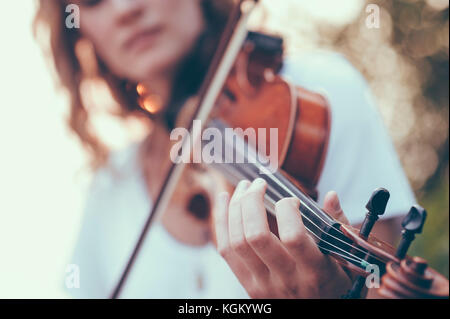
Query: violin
{"type": "Point", "coordinates": [242, 89]}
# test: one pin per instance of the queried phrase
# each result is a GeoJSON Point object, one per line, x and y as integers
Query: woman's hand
{"type": "Point", "coordinates": [268, 267]}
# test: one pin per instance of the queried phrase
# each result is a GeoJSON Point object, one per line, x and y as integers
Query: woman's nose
{"type": "Point", "coordinates": [127, 10]}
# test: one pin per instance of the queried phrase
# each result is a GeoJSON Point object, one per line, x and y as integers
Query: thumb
{"type": "Point", "coordinates": [332, 206]}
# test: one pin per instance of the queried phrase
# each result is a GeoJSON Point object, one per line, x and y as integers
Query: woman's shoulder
{"type": "Point", "coordinates": [333, 75]}
{"type": "Point", "coordinates": [319, 65]}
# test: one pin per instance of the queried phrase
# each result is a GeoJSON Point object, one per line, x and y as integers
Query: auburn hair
{"type": "Point", "coordinates": [61, 43]}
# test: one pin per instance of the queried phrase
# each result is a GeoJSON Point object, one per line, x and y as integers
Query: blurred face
{"type": "Point", "coordinates": [141, 40]}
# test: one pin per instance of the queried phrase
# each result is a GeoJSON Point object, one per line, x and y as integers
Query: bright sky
{"type": "Point", "coordinates": [43, 176]}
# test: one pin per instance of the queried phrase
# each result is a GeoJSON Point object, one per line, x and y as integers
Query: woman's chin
{"type": "Point", "coordinates": [148, 71]}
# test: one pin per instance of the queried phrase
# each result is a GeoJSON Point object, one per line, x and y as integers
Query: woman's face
{"type": "Point", "coordinates": [141, 40]}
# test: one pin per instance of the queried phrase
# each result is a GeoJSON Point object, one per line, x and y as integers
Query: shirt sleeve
{"type": "Point", "coordinates": [361, 156]}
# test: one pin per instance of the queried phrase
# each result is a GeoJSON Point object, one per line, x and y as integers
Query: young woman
{"type": "Point", "coordinates": [160, 50]}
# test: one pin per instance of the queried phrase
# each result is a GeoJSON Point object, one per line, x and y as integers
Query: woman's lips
{"type": "Point", "coordinates": [142, 39]}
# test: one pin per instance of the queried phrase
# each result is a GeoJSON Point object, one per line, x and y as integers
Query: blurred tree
{"type": "Point", "coordinates": [406, 64]}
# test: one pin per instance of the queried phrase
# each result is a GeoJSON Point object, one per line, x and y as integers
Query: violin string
{"type": "Point", "coordinates": [314, 224]}
{"type": "Point", "coordinates": [235, 174]}
{"type": "Point", "coordinates": [274, 200]}
{"type": "Point", "coordinates": [320, 229]}
{"type": "Point", "coordinates": [359, 259]}
{"type": "Point", "coordinates": [278, 182]}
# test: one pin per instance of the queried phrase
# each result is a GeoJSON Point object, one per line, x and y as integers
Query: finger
{"type": "Point", "coordinates": [237, 238]}
{"type": "Point", "coordinates": [234, 210]}
{"type": "Point", "coordinates": [264, 243]}
{"type": "Point", "coordinates": [332, 206]}
{"type": "Point", "coordinates": [223, 243]}
{"type": "Point", "coordinates": [294, 235]}
{"type": "Point", "coordinates": [221, 220]}
{"type": "Point", "coordinates": [253, 209]}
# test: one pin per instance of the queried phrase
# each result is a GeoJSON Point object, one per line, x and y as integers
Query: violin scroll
{"type": "Point", "coordinates": [413, 279]}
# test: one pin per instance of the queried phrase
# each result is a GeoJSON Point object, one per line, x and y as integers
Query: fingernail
{"type": "Point", "coordinates": [295, 202]}
{"type": "Point", "coordinates": [260, 181]}
{"type": "Point", "coordinates": [257, 183]}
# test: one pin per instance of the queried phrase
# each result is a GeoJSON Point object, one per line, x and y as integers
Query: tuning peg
{"type": "Point", "coordinates": [376, 206]}
{"type": "Point", "coordinates": [412, 224]}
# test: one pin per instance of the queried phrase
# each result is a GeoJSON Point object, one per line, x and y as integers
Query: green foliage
{"type": "Point", "coordinates": [433, 243]}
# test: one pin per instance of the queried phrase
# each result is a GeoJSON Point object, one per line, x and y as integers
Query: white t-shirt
{"type": "Point", "coordinates": [360, 158]}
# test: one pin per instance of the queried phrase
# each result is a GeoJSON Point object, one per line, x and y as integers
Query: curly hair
{"type": "Point", "coordinates": [61, 45]}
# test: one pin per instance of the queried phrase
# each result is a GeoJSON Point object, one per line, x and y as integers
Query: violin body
{"type": "Point", "coordinates": [257, 97]}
